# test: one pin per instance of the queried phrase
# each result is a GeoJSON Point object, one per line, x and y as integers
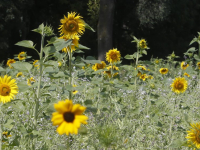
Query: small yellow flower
{"type": "Point", "coordinates": [35, 63]}
{"type": "Point", "coordinates": [186, 74]}
{"type": "Point", "coordinates": [10, 62]}
{"type": "Point", "coordinates": [19, 74]}
{"type": "Point", "coordinates": [142, 67]}
{"type": "Point", "coordinates": [113, 56]}
{"type": "Point", "coordinates": [150, 77]}
{"type": "Point", "coordinates": [68, 117]}
{"type": "Point", "coordinates": [179, 85]}
{"type": "Point", "coordinates": [72, 25]}
{"type": "Point", "coordinates": [184, 65]}
{"type": "Point", "coordinates": [143, 44]}
{"type": "Point", "coordinates": [198, 65]}
{"type": "Point", "coordinates": [73, 45]}
{"type": "Point", "coordinates": [163, 70]}
{"type": "Point", "coordinates": [59, 63]}
{"type": "Point", "coordinates": [30, 81]}
{"type": "Point", "coordinates": [115, 68]}
{"type": "Point", "coordinates": [98, 66]}
{"type": "Point", "coordinates": [6, 134]}
{"type": "Point", "coordinates": [143, 77]}
{"type": "Point", "coordinates": [22, 56]}
{"type": "Point", "coordinates": [193, 135]}
{"type": "Point", "coordinates": [74, 91]}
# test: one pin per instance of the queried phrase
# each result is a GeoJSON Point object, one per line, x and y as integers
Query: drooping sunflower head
{"type": "Point", "coordinates": [113, 55]}
{"type": "Point", "coordinates": [108, 72]}
{"type": "Point", "coordinates": [36, 63]}
{"type": "Point", "coordinates": [141, 67]}
{"type": "Point", "coordinates": [198, 65]}
{"type": "Point", "coordinates": [142, 44]}
{"type": "Point", "coordinates": [184, 65]}
{"type": "Point", "coordinates": [179, 85]}
{"type": "Point", "coordinates": [68, 117]}
{"type": "Point", "coordinates": [74, 44]}
{"type": "Point", "coordinates": [8, 89]}
{"type": "Point", "coordinates": [10, 62]}
{"type": "Point", "coordinates": [98, 66]}
{"type": "Point", "coordinates": [19, 74]}
{"type": "Point", "coordinates": [22, 56]}
{"type": "Point", "coordinates": [163, 70]}
{"type": "Point", "coordinates": [193, 135]}
{"type": "Point", "coordinates": [30, 81]}
{"type": "Point", "coordinates": [72, 25]}
{"type": "Point", "coordinates": [186, 74]}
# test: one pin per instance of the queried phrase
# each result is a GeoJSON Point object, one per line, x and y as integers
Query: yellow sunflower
{"type": "Point", "coordinates": [68, 117]}
{"type": "Point", "coordinates": [115, 68]}
{"type": "Point", "coordinates": [139, 74]}
{"type": "Point", "coordinates": [74, 91]}
{"type": "Point", "coordinates": [6, 134]}
{"type": "Point", "coordinates": [184, 65]}
{"type": "Point", "coordinates": [143, 44]}
{"type": "Point", "coordinates": [142, 67]}
{"type": "Point", "coordinates": [22, 56]}
{"type": "Point", "coordinates": [98, 66]}
{"type": "Point", "coordinates": [30, 81]}
{"type": "Point", "coordinates": [193, 135]}
{"type": "Point", "coordinates": [186, 74]}
{"type": "Point", "coordinates": [19, 74]}
{"type": "Point", "coordinates": [72, 25]}
{"type": "Point", "coordinates": [163, 70]}
{"type": "Point", "coordinates": [198, 65]}
{"type": "Point", "coordinates": [73, 46]}
{"type": "Point", "coordinates": [179, 85]}
{"type": "Point", "coordinates": [143, 77]}
{"type": "Point", "coordinates": [10, 62]}
{"type": "Point", "coordinates": [35, 63]}
{"type": "Point", "coordinates": [8, 89]}
{"type": "Point", "coordinates": [113, 55]}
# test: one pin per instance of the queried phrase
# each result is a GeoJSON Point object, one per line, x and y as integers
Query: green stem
{"type": "Point", "coordinates": [136, 63]}
{"type": "Point", "coordinates": [70, 73]}
{"type": "Point", "coordinates": [199, 50]}
{"type": "Point", "coordinates": [1, 128]}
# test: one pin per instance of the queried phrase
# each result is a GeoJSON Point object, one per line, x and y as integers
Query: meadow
{"type": "Point", "coordinates": [65, 102]}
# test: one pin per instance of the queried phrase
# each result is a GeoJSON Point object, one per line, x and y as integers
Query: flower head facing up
{"type": "Point", "coordinates": [98, 66]}
{"type": "Point", "coordinates": [115, 68]}
{"type": "Point", "coordinates": [193, 135]}
{"type": "Point", "coordinates": [113, 55]}
{"type": "Point", "coordinates": [198, 65]}
{"type": "Point", "coordinates": [72, 25]}
{"type": "Point", "coordinates": [179, 85]}
{"type": "Point", "coordinates": [8, 89]}
{"type": "Point", "coordinates": [10, 62]}
{"type": "Point", "coordinates": [184, 65]}
{"type": "Point", "coordinates": [142, 44]}
{"type": "Point", "coordinates": [68, 117]}
{"type": "Point", "coordinates": [22, 56]}
{"type": "Point", "coordinates": [163, 70]}
{"type": "Point", "coordinates": [74, 44]}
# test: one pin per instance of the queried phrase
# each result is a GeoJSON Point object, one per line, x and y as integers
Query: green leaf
{"type": "Point", "coordinates": [194, 40]}
{"type": "Point", "coordinates": [82, 47]}
{"type": "Point", "coordinates": [88, 102]}
{"type": "Point", "coordinates": [26, 43]}
{"type": "Point", "coordinates": [128, 57]}
{"type": "Point", "coordinates": [144, 52]}
{"type": "Point", "coordinates": [61, 43]}
{"type": "Point", "coordinates": [22, 86]}
{"type": "Point", "coordinates": [88, 27]}
{"type": "Point", "coordinates": [40, 29]}
{"type": "Point", "coordinates": [9, 124]}
{"type": "Point", "coordinates": [2, 69]}
{"type": "Point", "coordinates": [196, 57]}
{"type": "Point", "coordinates": [22, 66]}
{"type": "Point", "coordinates": [90, 60]}
{"type": "Point", "coordinates": [49, 50]}
{"type": "Point", "coordinates": [192, 49]}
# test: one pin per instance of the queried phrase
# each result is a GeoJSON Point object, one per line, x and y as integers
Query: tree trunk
{"type": "Point", "coordinates": [105, 27]}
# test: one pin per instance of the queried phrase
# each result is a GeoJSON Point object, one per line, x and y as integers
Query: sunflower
{"type": "Point", "coordinates": [142, 67]}
{"type": "Point", "coordinates": [19, 74]}
{"type": "Point", "coordinates": [186, 74]}
{"type": "Point", "coordinates": [98, 66]}
{"type": "Point", "coordinates": [68, 117]}
{"type": "Point", "coordinates": [115, 68]}
{"type": "Point", "coordinates": [73, 46]}
{"type": "Point", "coordinates": [72, 25]}
{"type": "Point", "coordinates": [193, 135]}
{"type": "Point", "coordinates": [143, 77]}
{"type": "Point", "coordinates": [142, 44]}
{"type": "Point", "coordinates": [35, 63]}
{"type": "Point", "coordinates": [150, 77]}
{"type": "Point", "coordinates": [139, 74]}
{"type": "Point", "coordinates": [163, 70]}
{"type": "Point", "coordinates": [198, 65]}
{"type": "Point", "coordinates": [113, 55]}
{"type": "Point", "coordinates": [179, 85]}
{"type": "Point", "coordinates": [59, 63]}
{"type": "Point", "coordinates": [30, 81]}
{"type": "Point", "coordinates": [22, 56]}
{"type": "Point", "coordinates": [157, 61]}
{"type": "Point", "coordinates": [8, 88]}
{"type": "Point", "coordinates": [9, 62]}
{"type": "Point", "coordinates": [74, 91]}
{"type": "Point", "coordinates": [5, 134]}
{"type": "Point", "coordinates": [184, 65]}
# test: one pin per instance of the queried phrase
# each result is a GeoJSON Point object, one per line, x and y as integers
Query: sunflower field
{"type": "Point", "coordinates": [60, 101]}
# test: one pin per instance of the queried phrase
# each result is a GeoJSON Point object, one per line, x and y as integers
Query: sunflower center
{"type": "Point", "coordinates": [4, 90]}
{"type": "Point", "coordinates": [113, 56]}
{"type": "Point", "coordinates": [198, 136]}
{"type": "Point", "coordinates": [179, 86]}
{"type": "Point", "coordinates": [69, 117]}
{"type": "Point", "coordinates": [71, 25]}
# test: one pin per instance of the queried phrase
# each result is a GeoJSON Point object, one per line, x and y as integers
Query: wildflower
{"type": "Point", "coordinates": [142, 44]}
{"type": "Point", "coordinates": [115, 68]}
{"type": "Point", "coordinates": [193, 135]}
{"type": "Point", "coordinates": [68, 117]}
{"type": "Point", "coordinates": [72, 25]}
{"type": "Point", "coordinates": [163, 70]}
{"type": "Point", "coordinates": [143, 77]}
{"type": "Point", "coordinates": [19, 74]}
{"type": "Point", "coordinates": [113, 55]}
{"type": "Point", "coordinates": [8, 89]}
{"type": "Point", "coordinates": [98, 66]}
{"type": "Point", "coordinates": [73, 46]}
{"type": "Point", "coordinates": [184, 65]}
{"type": "Point", "coordinates": [198, 65]}
{"type": "Point", "coordinates": [35, 63]}
{"type": "Point", "coordinates": [30, 81]}
{"type": "Point", "coordinates": [9, 62]}
{"type": "Point", "coordinates": [186, 74]}
{"type": "Point", "coordinates": [179, 85]}
{"type": "Point", "coordinates": [22, 56]}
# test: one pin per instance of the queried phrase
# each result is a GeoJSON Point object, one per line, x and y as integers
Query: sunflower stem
{"type": "Point", "coordinates": [136, 63]}
{"type": "Point", "coordinates": [1, 127]}
{"type": "Point", "coordinates": [70, 73]}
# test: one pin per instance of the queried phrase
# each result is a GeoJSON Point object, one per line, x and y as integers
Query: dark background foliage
{"type": "Point", "coordinates": [167, 25]}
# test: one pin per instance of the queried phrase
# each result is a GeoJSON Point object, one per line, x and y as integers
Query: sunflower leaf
{"type": "Point", "coordinates": [24, 66]}
{"type": "Point", "coordinates": [26, 43]}
{"type": "Point", "coordinates": [61, 43]}
{"type": "Point", "coordinates": [88, 27]}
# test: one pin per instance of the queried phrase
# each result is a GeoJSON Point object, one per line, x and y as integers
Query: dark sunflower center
{"type": "Point", "coordinates": [198, 136]}
{"type": "Point", "coordinates": [69, 117]}
{"type": "Point", "coordinates": [113, 56]}
{"type": "Point", "coordinates": [179, 86]}
{"type": "Point", "coordinates": [4, 90]}
{"type": "Point", "coordinates": [71, 25]}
